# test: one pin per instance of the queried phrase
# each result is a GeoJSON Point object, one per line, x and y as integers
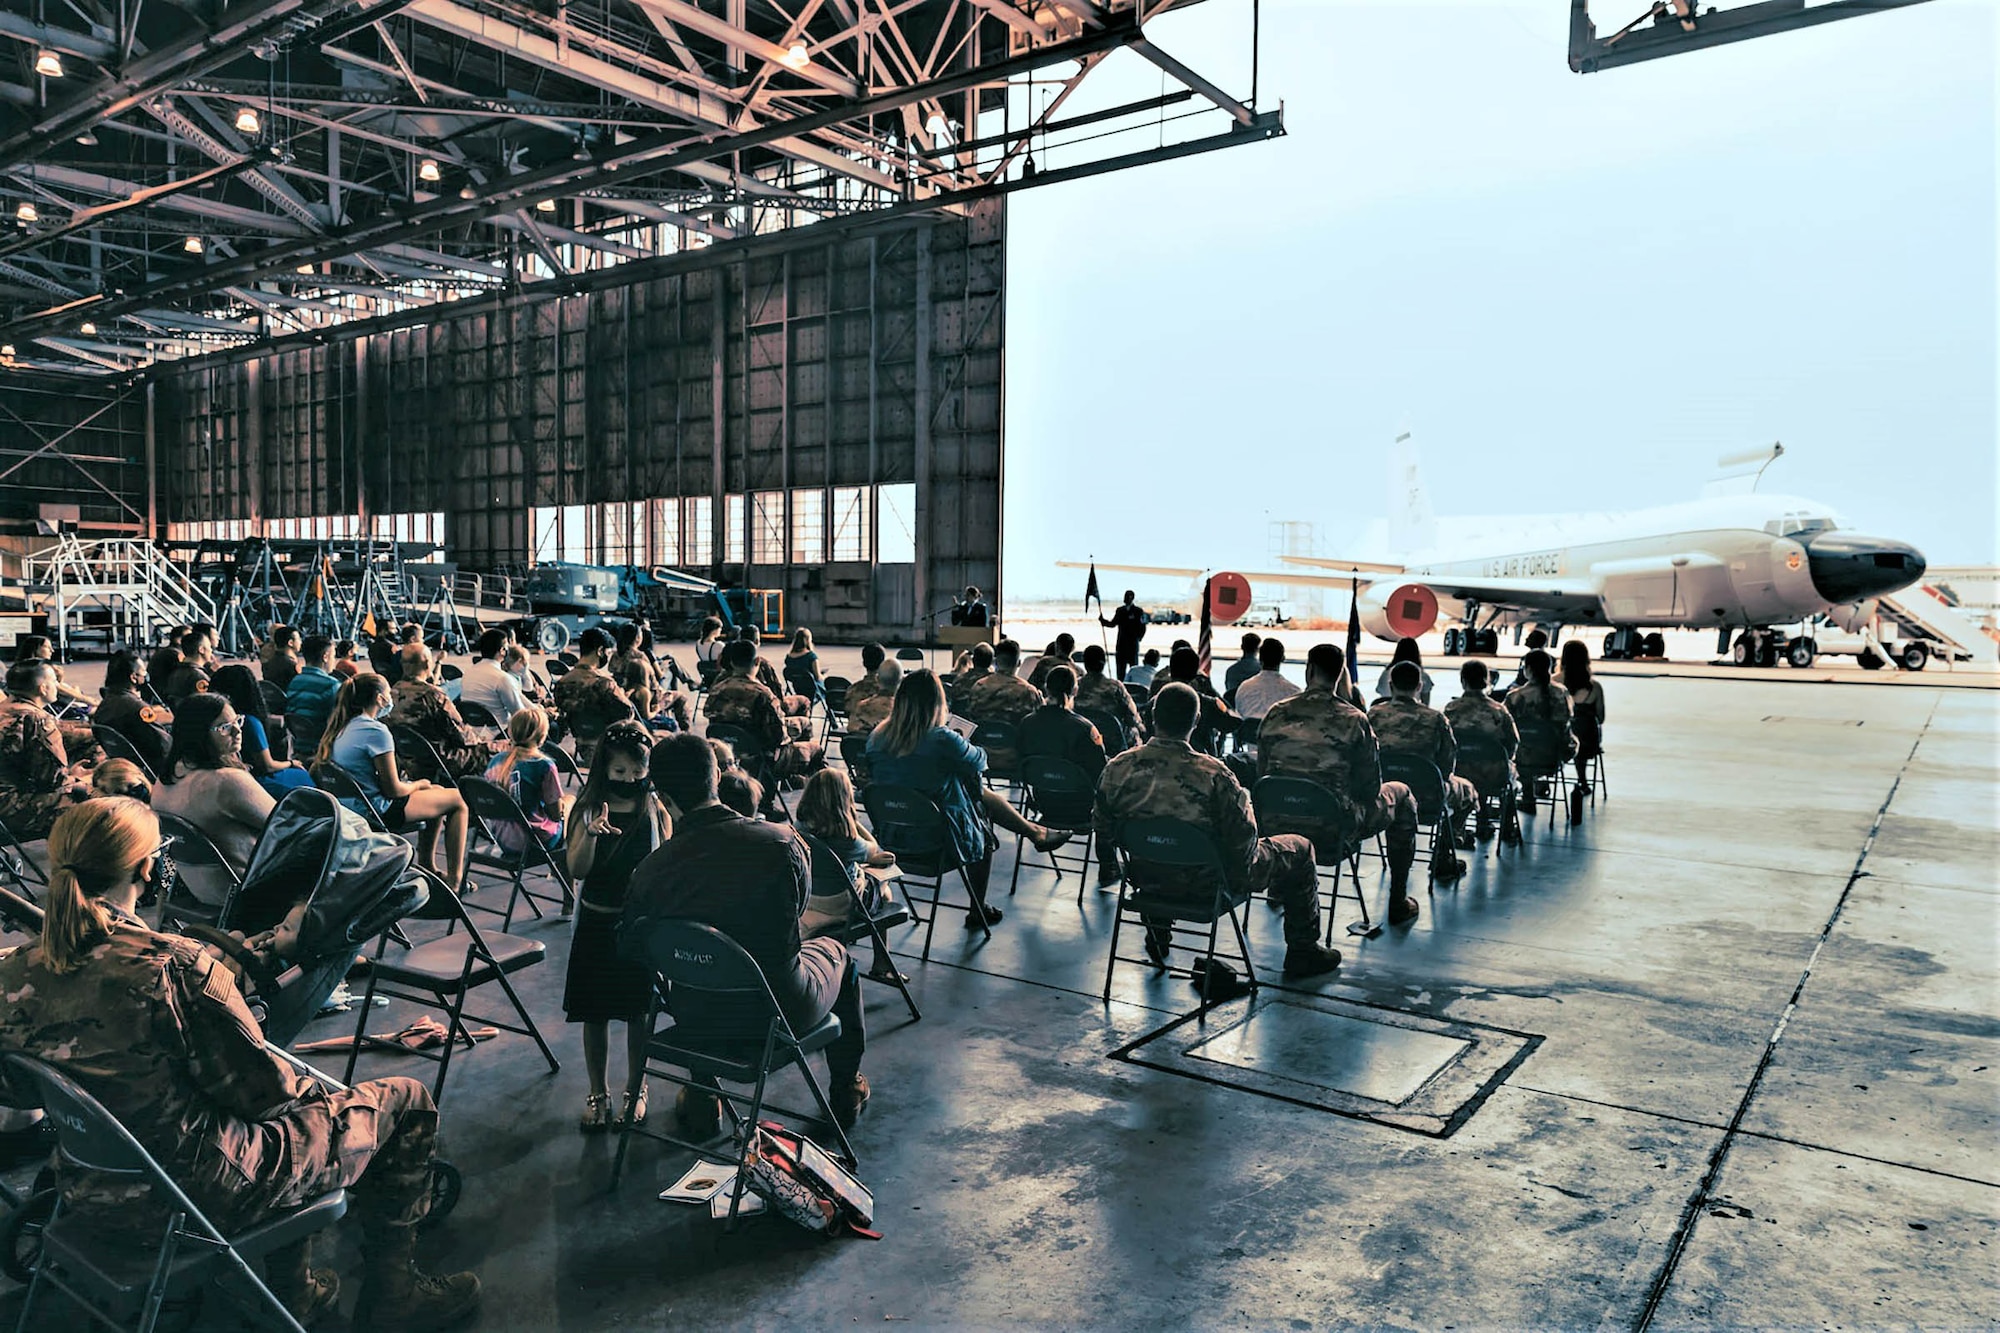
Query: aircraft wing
{"type": "Point", "coordinates": [1168, 571]}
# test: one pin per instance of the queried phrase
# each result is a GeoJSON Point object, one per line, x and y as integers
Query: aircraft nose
{"type": "Point", "coordinates": [1848, 566]}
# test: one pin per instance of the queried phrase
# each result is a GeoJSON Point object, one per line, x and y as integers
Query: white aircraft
{"type": "Point", "coordinates": [1735, 560]}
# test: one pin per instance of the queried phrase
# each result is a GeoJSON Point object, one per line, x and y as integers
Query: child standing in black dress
{"type": "Point", "coordinates": [614, 824]}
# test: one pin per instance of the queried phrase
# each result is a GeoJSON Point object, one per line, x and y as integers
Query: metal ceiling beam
{"type": "Point", "coordinates": [214, 210]}
{"type": "Point", "coordinates": [719, 29]}
{"type": "Point", "coordinates": [1677, 27]}
{"type": "Point", "coordinates": [84, 218]}
{"type": "Point", "coordinates": [65, 40]}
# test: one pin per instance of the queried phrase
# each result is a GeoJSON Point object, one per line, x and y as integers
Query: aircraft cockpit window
{"type": "Point", "coordinates": [1798, 524]}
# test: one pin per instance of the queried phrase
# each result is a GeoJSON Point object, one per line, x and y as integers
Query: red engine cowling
{"type": "Point", "coordinates": [1399, 611]}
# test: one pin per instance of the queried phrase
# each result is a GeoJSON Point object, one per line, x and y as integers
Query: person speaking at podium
{"type": "Point", "coordinates": [972, 611]}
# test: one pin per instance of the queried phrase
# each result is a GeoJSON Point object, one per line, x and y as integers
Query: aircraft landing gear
{"type": "Point", "coordinates": [1471, 642]}
{"type": "Point", "coordinates": [1629, 643]}
{"type": "Point", "coordinates": [1801, 652]}
{"type": "Point", "coordinates": [1758, 647]}
{"type": "Point", "coordinates": [1654, 645]}
{"type": "Point", "coordinates": [1454, 642]}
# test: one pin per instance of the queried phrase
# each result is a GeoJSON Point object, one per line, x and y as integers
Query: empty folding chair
{"type": "Point", "coordinates": [1175, 880]}
{"type": "Point", "coordinates": [507, 845]}
{"type": "Point", "coordinates": [696, 959]}
{"type": "Point", "coordinates": [833, 702]}
{"type": "Point", "coordinates": [442, 974]}
{"type": "Point", "coordinates": [114, 1282]}
{"type": "Point", "coordinates": [116, 745]}
{"type": "Point", "coordinates": [1003, 765]}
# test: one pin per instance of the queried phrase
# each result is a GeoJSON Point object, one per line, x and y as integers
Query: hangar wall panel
{"type": "Point", "coordinates": [76, 445]}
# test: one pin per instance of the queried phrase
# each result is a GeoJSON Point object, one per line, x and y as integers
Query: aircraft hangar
{"type": "Point", "coordinates": [405, 325]}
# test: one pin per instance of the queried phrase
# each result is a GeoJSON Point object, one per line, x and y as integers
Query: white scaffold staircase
{"type": "Point", "coordinates": [1924, 615]}
{"type": "Point", "coordinates": [115, 591]}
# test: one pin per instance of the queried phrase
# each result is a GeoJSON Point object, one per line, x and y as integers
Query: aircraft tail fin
{"type": "Point", "coordinates": [1412, 526]}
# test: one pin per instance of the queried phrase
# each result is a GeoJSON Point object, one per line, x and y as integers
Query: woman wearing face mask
{"type": "Point", "coordinates": [358, 743]}
{"type": "Point", "coordinates": [615, 822]}
{"type": "Point", "coordinates": [206, 783]}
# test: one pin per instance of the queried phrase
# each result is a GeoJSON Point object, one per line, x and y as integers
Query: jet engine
{"type": "Point", "coordinates": [1398, 611]}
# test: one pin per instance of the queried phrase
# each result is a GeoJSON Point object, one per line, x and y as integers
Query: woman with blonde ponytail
{"type": "Point", "coordinates": [153, 1027]}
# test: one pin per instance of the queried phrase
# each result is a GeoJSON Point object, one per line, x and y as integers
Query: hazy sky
{"type": "Point", "coordinates": [1577, 291]}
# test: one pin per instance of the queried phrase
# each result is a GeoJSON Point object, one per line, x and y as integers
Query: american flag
{"type": "Point", "coordinates": [1206, 642]}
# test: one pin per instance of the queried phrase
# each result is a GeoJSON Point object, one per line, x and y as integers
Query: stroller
{"type": "Point", "coordinates": [363, 882]}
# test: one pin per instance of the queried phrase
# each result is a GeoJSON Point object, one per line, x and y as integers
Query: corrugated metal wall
{"type": "Point", "coordinates": [76, 445]}
{"type": "Point", "coordinates": [853, 361]}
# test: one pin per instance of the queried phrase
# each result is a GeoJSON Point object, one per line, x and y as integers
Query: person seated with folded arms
{"type": "Point", "coordinates": [915, 749]}
{"type": "Point", "coordinates": [1097, 692]}
{"type": "Point", "coordinates": [359, 744]}
{"type": "Point", "coordinates": [181, 1063]}
{"type": "Point", "coordinates": [206, 782]}
{"type": "Point", "coordinates": [487, 683]}
{"type": "Point", "coordinates": [36, 781]}
{"type": "Point", "coordinates": [872, 709]}
{"type": "Point", "coordinates": [422, 705]}
{"type": "Point", "coordinates": [1243, 668]}
{"type": "Point", "coordinates": [309, 698]}
{"type": "Point", "coordinates": [752, 882]}
{"type": "Point", "coordinates": [124, 708]}
{"type": "Point", "coordinates": [1475, 713]}
{"type": "Point", "coordinates": [1255, 696]}
{"type": "Point", "coordinates": [279, 658]}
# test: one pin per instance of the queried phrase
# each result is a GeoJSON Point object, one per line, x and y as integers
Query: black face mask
{"type": "Point", "coordinates": [625, 791]}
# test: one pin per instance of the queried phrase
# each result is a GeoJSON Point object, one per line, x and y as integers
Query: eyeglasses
{"type": "Point", "coordinates": [228, 728]}
{"type": "Point", "coordinates": [167, 841]}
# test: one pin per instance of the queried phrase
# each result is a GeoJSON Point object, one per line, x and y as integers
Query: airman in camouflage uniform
{"type": "Point", "coordinates": [1001, 696]}
{"type": "Point", "coordinates": [1319, 736]}
{"type": "Point", "coordinates": [1060, 653]}
{"type": "Point", "coordinates": [35, 780]}
{"type": "Point", "coordinates": [153, 1027]}
{"type": "Point", "coordinates": [868, 683]}
{"type": "Point", "coordinates": [1098, 693]}
{"type": "Point", "coordinates": [1476, 713]}
{"type": "Point", "coordinates": [587, 697]}
{"type": "Point", "coordinates": [738, 699]}
{"type": "Point", "coordinates": [872, 709]}
{"type": "Point", "coordinates": [1540, 710]}
{"type": "Point", "coordinates": [972, 666]}
{"type": "Point", "coordinates": [1167, 779]}
{"type": "Point", "coordinates": [791, 705]}
{"type": "Point", "coordinates": [1403, 725]}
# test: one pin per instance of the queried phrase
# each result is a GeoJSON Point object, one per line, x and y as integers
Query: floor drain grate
{"type": "Point", "coordinates": [1409, 1071]}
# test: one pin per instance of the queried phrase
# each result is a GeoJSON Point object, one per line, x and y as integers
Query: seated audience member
{"type": "Point", "coordinates": [40, 646]}
{"type": "Point", "coordinates": [634, 671]}
{"type": "Point", "coordinates": [801, 673]}
{"type": "Point", "coordinates": [357, 742]}
{"type": "Point", "coordinates": [615, 823]}
{"type": "Point", "coordinates": [421, 704]}
{"type": "Point", "coordinates": [673, 706]}
{"type": "Point", "coordinates": [751, 881]}
{"type": "Point", "coordinates": [737, 699]}
{"type": "Point", "coordinates": [709, 643]}
{"type": "Point", "coordinates": [120, 777]}
{"type": "Point", "coordinates": [514, 661]}
{"type": "Point", "coordinates": [36, 783]}
{"type": "Point", "coordinates": [839, 851]}
{"type": "Point", "coordinates": [1404, 726]}
{"type": "Point", "coordinates": [1586, 708]}
{"type": "Point", "coordinates": [973, 665]}
{"type": "Point", "coordinates": [1167, 779]}
{"type": "Point", "coordinates": [1217, 717]}
{"type": "Point", "coordinates": [1145, 671]}
{"type": "Point", "coordinates": [180, 1061]}
{"type": "Point", "coordinates": [872, 709]}
{"type": "Point", "coordinates": [123, 708]}
{"type": "Point", "coordinates": [206, 783]}
{"type": "Point", "coordinates": [345, 665]}
{"type": "Point", "coordinates": [1537, 642]}
{"type": "Point", "coordinates": [1000, 696]}
{"type": "Point", "coordinates": [277, 776]}
{"type": "Point", "coordinates": [383, 651]}
{"type": "Point", "coordinates": [166, 660]}
{"type": "Point", "coordinates": [1475, 713]}
{"type": "Point", "coordinates": [587, 698]}
{"type": "Point", "coordinates": [1255, 696]}
{"type": "Point", "coordinates": [1098, 693]}
{"type": "Point", "coordinates": [1059, 653]}
{"type": "Point", "coordinates": [487, 683]}
{"type": "Point", "coordinates": [1318, 735]}
{"type": "Point", "coordinates": [309, 698]}
{"type": "Point", "coordinates": [741, 793]}
{"type": "Point", "coordinates": [79, 742]}
{"type": "Point", "coordinates": [1058, 731]}
{"type": "Point", "coordinates": [791, 705]}
{"type": "Point", "coordinates": [915, 749]}
{"type": "Point", "coordinates": [1541, 716]}
{"type": "Point", "coordinates": [530, 777]}
{"type": "Point", "coordinates": [1244, 667]}
{"type": "Point", "coordinates": [279, 658]}
{"type": "Point", "coordinates": [1406, 651]}
{"type": "Point", "coordinates": [867, 684]}
{"type": "Point", "coordinates": [197, 661]}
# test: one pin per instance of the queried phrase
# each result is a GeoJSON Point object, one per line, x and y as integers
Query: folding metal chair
{"type": "Point", "coordinates": [1060, 796]}
{"type": "Point", "coordinates": [1479, 757]}
{"type": "Point", "coordinates": [854, 755]}
{"type": "Point", "coordinates": [493, 808]}
{"type": "Point", "coordinates": [1421, 776]}
{"type": "Point", "coordinates": [15, 863]}
{"type": "Point", "coordinates": [116, 745]}
{"type": "Point", "coordinates": [1111, 727]}
{"type": "Point", "coordinates": [195, 850]}
{"type": "Point", "coordinates": [477, 715]}
{"type": "Point", "coordinates": [415, 749]}
{"type": "Point", "coordinates": [107, 1278]}
{"type": "Point", "coordinates": [1000, 741]}
{"type": "Point", "coordinates": [1543, 757]}
{"type": "Point", "coordinates": [1174, 874]}
{"type": "Point", "coordinates": [1304, 807]}
{"type": "Point", "coordinates": [442, 974]}
{"type": "Point", "coordinates": [833, 703]}
{"type": "Point", "coordinates": [695, 960]}
{"type": "Point", "coordinates": [862, 924]}
{"type": "Point", "coordinates": [909, 825]}
{"type": "Point", "coordinates": [566, 765]}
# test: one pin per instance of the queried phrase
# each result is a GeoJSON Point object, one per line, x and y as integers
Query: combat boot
{"type": "Point", "coordinates": [305, 1292]}
{"type": "Point", "coordinates": [398, 1297]}
{"type": "Point", "coordinates": [1402, 907]}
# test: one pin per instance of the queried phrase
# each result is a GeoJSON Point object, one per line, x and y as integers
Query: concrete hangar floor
{"type": "Point", "coordinates": [1724, 1055]}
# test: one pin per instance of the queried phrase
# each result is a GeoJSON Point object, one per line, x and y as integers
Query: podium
{"type": "Point", "coordinates": [957, 637]}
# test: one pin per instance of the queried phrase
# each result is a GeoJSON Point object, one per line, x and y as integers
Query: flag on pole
{"type": "Point", "coordinates": [1354, 631]}
{"type": "Point", "coordinates": [1090, 591]}
{"type": "Point", "coordinates": [1205, 644]}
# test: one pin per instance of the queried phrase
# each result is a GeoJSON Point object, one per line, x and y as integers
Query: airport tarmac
{"type": "Point", "coordinates": [1725, 1055]}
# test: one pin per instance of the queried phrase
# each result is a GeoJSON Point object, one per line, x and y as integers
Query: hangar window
{"type": "Point", "coordinates": [850, 523]}
{"type": "Point", "coordinates": [808, 527]}
{"type": "Point", "coordinates": [767, 528]}
{"type": "Point", "coordinates": [732, 529]}
{"type": "Point", "coordinates": [665, 535]}
{"type": "Point", "coordinates": [562, 533]}
{"type": "Point", "coordinates": [899, 525]}
{"type": "Point", "coordinates": [698, 530]}
{"type": "Point", "coordinates": [622, 532]}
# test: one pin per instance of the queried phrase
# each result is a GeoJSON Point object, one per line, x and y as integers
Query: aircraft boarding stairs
{"type": "Point", "coordinates": [114, 591]}
{"type": "Point", "coordinates": [1920, 613]}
